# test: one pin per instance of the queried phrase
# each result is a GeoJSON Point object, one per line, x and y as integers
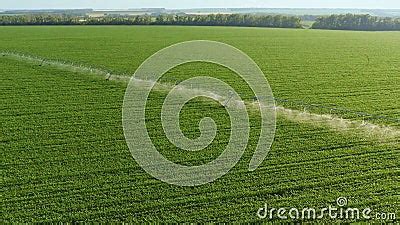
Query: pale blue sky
{"type": "Point", "coordinates": [120, 4]}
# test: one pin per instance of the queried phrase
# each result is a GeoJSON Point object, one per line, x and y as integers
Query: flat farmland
{"type": "Point", "coordinates": [64, 155]}
{"type": "Point", "coordinates": [357, 70]}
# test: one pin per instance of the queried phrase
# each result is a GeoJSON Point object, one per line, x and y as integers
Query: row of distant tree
{"type": "Point", "coordinates": [198, 20]}
{"type": "Point", "coordinates": [335, 22]}
{"type": "Point", "coordinates": [232, 20]}
{"type": "Point", "coordinates": [357, 22]}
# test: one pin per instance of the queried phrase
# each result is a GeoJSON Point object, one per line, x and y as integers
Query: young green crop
{"type": "Point", "coordinates": [354, 70]}
{"type": "Point", "coordinates": [64, 156]}
{"type": "Point", "coordinates": [65, 159]}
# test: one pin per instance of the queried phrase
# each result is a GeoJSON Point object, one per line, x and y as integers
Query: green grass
{"type": "Point", "coordinates": [324, 67]}
{"type": "Point", "coordinates": [64, 156]}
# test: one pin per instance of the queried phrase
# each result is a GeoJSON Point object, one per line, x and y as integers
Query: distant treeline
{"type": "Point", "coordinates": [333, 22]}
{"type": "Point", "coordinates": [232, 20]}
{"type": "Point", "coordinates": [195, 20]}
{"type": "Point", "coordinates": [357, 22]}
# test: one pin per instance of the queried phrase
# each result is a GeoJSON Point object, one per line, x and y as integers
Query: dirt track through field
{"type": "Point", "coordinates": [379, 132]}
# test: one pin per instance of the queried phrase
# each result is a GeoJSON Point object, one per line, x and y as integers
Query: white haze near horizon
{"type": "Point", "coordinates": [185, 4]}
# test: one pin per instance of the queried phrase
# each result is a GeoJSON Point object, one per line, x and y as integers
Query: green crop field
{"type": "Point", "coordinates": [64, 156]}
